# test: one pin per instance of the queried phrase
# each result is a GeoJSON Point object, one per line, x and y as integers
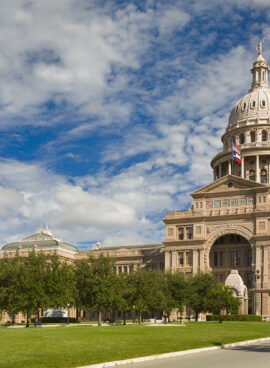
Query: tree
{"type": "Point", "coordinates": [29, 284]}
{"type": "Point", "coordinates": [177, 291]}
{"type": "Point", "coordinates": [221, 298]}
{"type": "Point", "coordinates": [95, 284]}
{"type": "Point", "coordinates": [140, 289]}
{"type": "Point", "coordinates": [158, 298]}
{"type": "Point", "coordinates": [199, 289]}
{"type": "Point", "coordinates": [11, 298]}
{"type": "Point", "coordinates": [60, 283]}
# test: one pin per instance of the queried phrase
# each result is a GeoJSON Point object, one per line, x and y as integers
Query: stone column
{"type": "Point", "coordinates": [243, 167]}
{"type": "Point", "coordinates": [230, 167]}
{"type": "Point", "coordinates": [268, 172]}
{"type": "Point", "coordinates": [258, 258]}
{"type": "Point", "coordinates": [167, 260]}
{"type": "Point", "coordinates": [219, 171]}
{"type": "Point", "coordinates": [194, 261]}
{"type": "Point", "coordinates": [265, 267]}
{"type": "Point", "coordinates": [258, 281]}
{"type": "Point", "coordinates": [174, 260]}
{"type": "Point", "coordinates": [201, 260]}
{"type": "Point", "coordinates": [257, 168]}
{"type": "Point", "coordinates": [265, 304]}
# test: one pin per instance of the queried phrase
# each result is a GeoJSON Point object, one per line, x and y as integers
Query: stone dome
{"type": "Point", "coordinates": [254, 105]}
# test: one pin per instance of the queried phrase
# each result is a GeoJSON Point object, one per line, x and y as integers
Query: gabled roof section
{"type": "Point", "coordinates": [38, 237]}
{"type": "Point", "coordinates": [228, 183]}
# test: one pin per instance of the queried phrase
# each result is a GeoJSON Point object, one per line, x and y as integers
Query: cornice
{"type": "Point", "coordinates": [192, 243]}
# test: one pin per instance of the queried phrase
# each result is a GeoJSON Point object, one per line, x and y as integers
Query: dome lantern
{"type": "Point", "coordinates": [259, 70]}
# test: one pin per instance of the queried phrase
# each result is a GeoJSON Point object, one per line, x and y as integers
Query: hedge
{"type": "Point", "coordinates": [59, 320]}
{"type": "Point", "coordinates": [234, 317]}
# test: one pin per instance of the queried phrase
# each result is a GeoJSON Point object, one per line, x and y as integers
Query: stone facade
{"type": "Point", "coordinates": [228, 225]}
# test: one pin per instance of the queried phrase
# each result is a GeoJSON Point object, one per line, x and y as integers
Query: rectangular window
{"type": "Point", "coordinates": [189, 231]}
{"type": "Point", "coordinates": [243, 201]}
{"type": "Point", "coordinates": [226, 203]}
{"type": "Point", "coordinates": [181, 233]}
{"type": "Point", "coordinates": [217, 203]}
{"type": "Point", "coordinates": [189, 258]}
{"type": "Point", "coordinates": [120, 269]}
{"type": "Point", "coordinates": [125, 269]}
{"type": "Point", "coordinates": [209, 204]}
{"type": "Point", "coordinates": [131, 269]}
{"type": "Point", "coordinates": [234, 202]}
{"type": "Point", "coordinates": [221, 259]}
{"type": "Point", "coordinates": [215, 259]}
{"type": "Point", "coordinates": [181, 258]}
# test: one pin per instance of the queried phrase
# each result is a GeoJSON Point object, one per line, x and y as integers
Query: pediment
{"type": "Point", "coordinates": [228, 183]}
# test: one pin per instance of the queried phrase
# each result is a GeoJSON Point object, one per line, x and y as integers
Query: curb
{"type": "Point", "coordinates": [174, 354]}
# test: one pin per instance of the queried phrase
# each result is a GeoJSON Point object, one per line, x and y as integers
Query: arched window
{"type": "Point", "coordinates": [263, 176]}
{"type": "Point", "coordinates": [251, 175]}
{"type": "Point", "coordinates": [242, 138]}
{"type": "Point", "coordinates": [264, 136]}
{"type": "Point", "coordinates": [252, 137]}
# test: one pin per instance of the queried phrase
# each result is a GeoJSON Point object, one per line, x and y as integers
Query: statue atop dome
{"type": "Point", "coordinates": [259, 46]}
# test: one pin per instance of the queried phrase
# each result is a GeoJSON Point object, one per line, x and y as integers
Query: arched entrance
{"type": "Point", "coordinates": [231, 251]}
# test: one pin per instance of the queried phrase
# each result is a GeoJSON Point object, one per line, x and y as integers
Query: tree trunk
{"type": "Point", "coordinates": [124, 316]}
{"type": "Point", "coordinates": [36, 317]}
{"type": "Point", "coordinates": [27, 318]}
{"type": "Point", "coordinates": [155, 317]}
{"type": "Point", "coordinates": [99, 318]}
{"type": "Point", "coordinates": [140, 318]}
{"type": "Point", "coordinates": [196, 316]}
{"type": "Point", "coordinates": [220, 318]}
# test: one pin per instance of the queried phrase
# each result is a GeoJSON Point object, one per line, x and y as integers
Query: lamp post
{"type": "Point", "coordinates": [256, 276]}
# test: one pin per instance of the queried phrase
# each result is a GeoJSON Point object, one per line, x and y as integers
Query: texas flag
{"type": "Point", "coordinates": [236, 157]}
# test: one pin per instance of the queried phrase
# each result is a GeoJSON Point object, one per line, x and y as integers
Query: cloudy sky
{"type": "Point", "coordinates": [110, 111]}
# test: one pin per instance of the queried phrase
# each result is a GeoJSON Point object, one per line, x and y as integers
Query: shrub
{"type": "Point", "coordinates": [234, 317]}
{"type": "Point", "coordinates": [59, 320]}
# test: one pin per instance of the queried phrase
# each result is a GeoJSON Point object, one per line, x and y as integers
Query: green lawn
{"type": "Point", "coordinates": [77, 346]}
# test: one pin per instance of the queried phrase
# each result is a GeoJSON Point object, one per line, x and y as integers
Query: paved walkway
{"type": "Point", "coordinates": [249, 356]}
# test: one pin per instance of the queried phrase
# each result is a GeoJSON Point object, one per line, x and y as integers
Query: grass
{"type": "Point", "coordinates": [70, 347]}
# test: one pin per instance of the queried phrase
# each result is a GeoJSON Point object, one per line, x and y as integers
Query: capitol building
{"type": "Point", "coordinates": [228, 225]}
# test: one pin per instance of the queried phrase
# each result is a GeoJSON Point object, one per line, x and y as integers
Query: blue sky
{"type": "Point", "coordinates": [110, 111]}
